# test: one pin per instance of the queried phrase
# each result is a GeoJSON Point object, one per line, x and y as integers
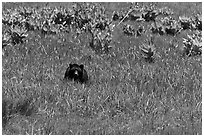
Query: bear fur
{"type": "Point", "coordinates": [77, 73]}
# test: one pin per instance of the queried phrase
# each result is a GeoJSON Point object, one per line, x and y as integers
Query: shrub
{"type": "Point", "coordinates": [193, 45]}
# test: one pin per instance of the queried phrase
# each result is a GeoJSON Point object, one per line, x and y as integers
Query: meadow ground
{"type": "Point", "coordinates": [125, 95]}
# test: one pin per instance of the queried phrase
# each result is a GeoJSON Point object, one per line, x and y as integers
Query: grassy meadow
{"type": "Point", "coordinates": [125, 95]}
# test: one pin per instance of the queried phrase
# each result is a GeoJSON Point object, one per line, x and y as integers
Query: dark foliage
{"type": "Point", "coordinates": [115, 16]}
{"type": "Point", "coordinates": [150, 15]}
{"type": "Point", "coordinates": [29, 27]}
{"type": "Point", "coordinates": [4, 43]}
{"type": "Point", "coordinates": [59, 18]}
{"type": "Point", "coordinates": [17, 38]}
{"type": "Point", "coordinates": [160, 30]}
{"type": "Point", "coordinates": [101, 25]}
{"type": "Point", "coordinates": [185, 25]}
{"type": "Point", "coordinates": [199, 25]}
{"type": "Point", "coordinates": [171, 31]}
{"type": "Point", "coordinates": [198, 22]}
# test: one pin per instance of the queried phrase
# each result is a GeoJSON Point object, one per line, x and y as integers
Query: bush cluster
{"type": "Point", "coordinates": [81, 18]}
{"type": "Point", "coordinates": [193, 44]}
{"type": "Point", "coordinates": [92, 18]}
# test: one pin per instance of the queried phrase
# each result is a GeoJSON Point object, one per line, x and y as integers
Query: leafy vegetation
{"type": "Point", "coordinates": [143, 60]}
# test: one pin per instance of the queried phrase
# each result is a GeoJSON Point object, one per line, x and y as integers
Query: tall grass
{"type": "Point", "coordinates": [125, 95]}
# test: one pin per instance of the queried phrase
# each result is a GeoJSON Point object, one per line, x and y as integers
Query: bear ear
{"type": "Point", "coordinates": [70, 65]}
{"type": "Point", "coordinates": [81, 66]}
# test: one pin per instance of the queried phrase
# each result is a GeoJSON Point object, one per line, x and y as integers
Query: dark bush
{"type": "Point", "coordinates": [17, 38]}
{"type": "Point", "coordinates": [115, 16]}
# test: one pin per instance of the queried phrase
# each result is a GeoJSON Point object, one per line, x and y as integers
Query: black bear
{"type": "Point", "coordinates": [77, 73]}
